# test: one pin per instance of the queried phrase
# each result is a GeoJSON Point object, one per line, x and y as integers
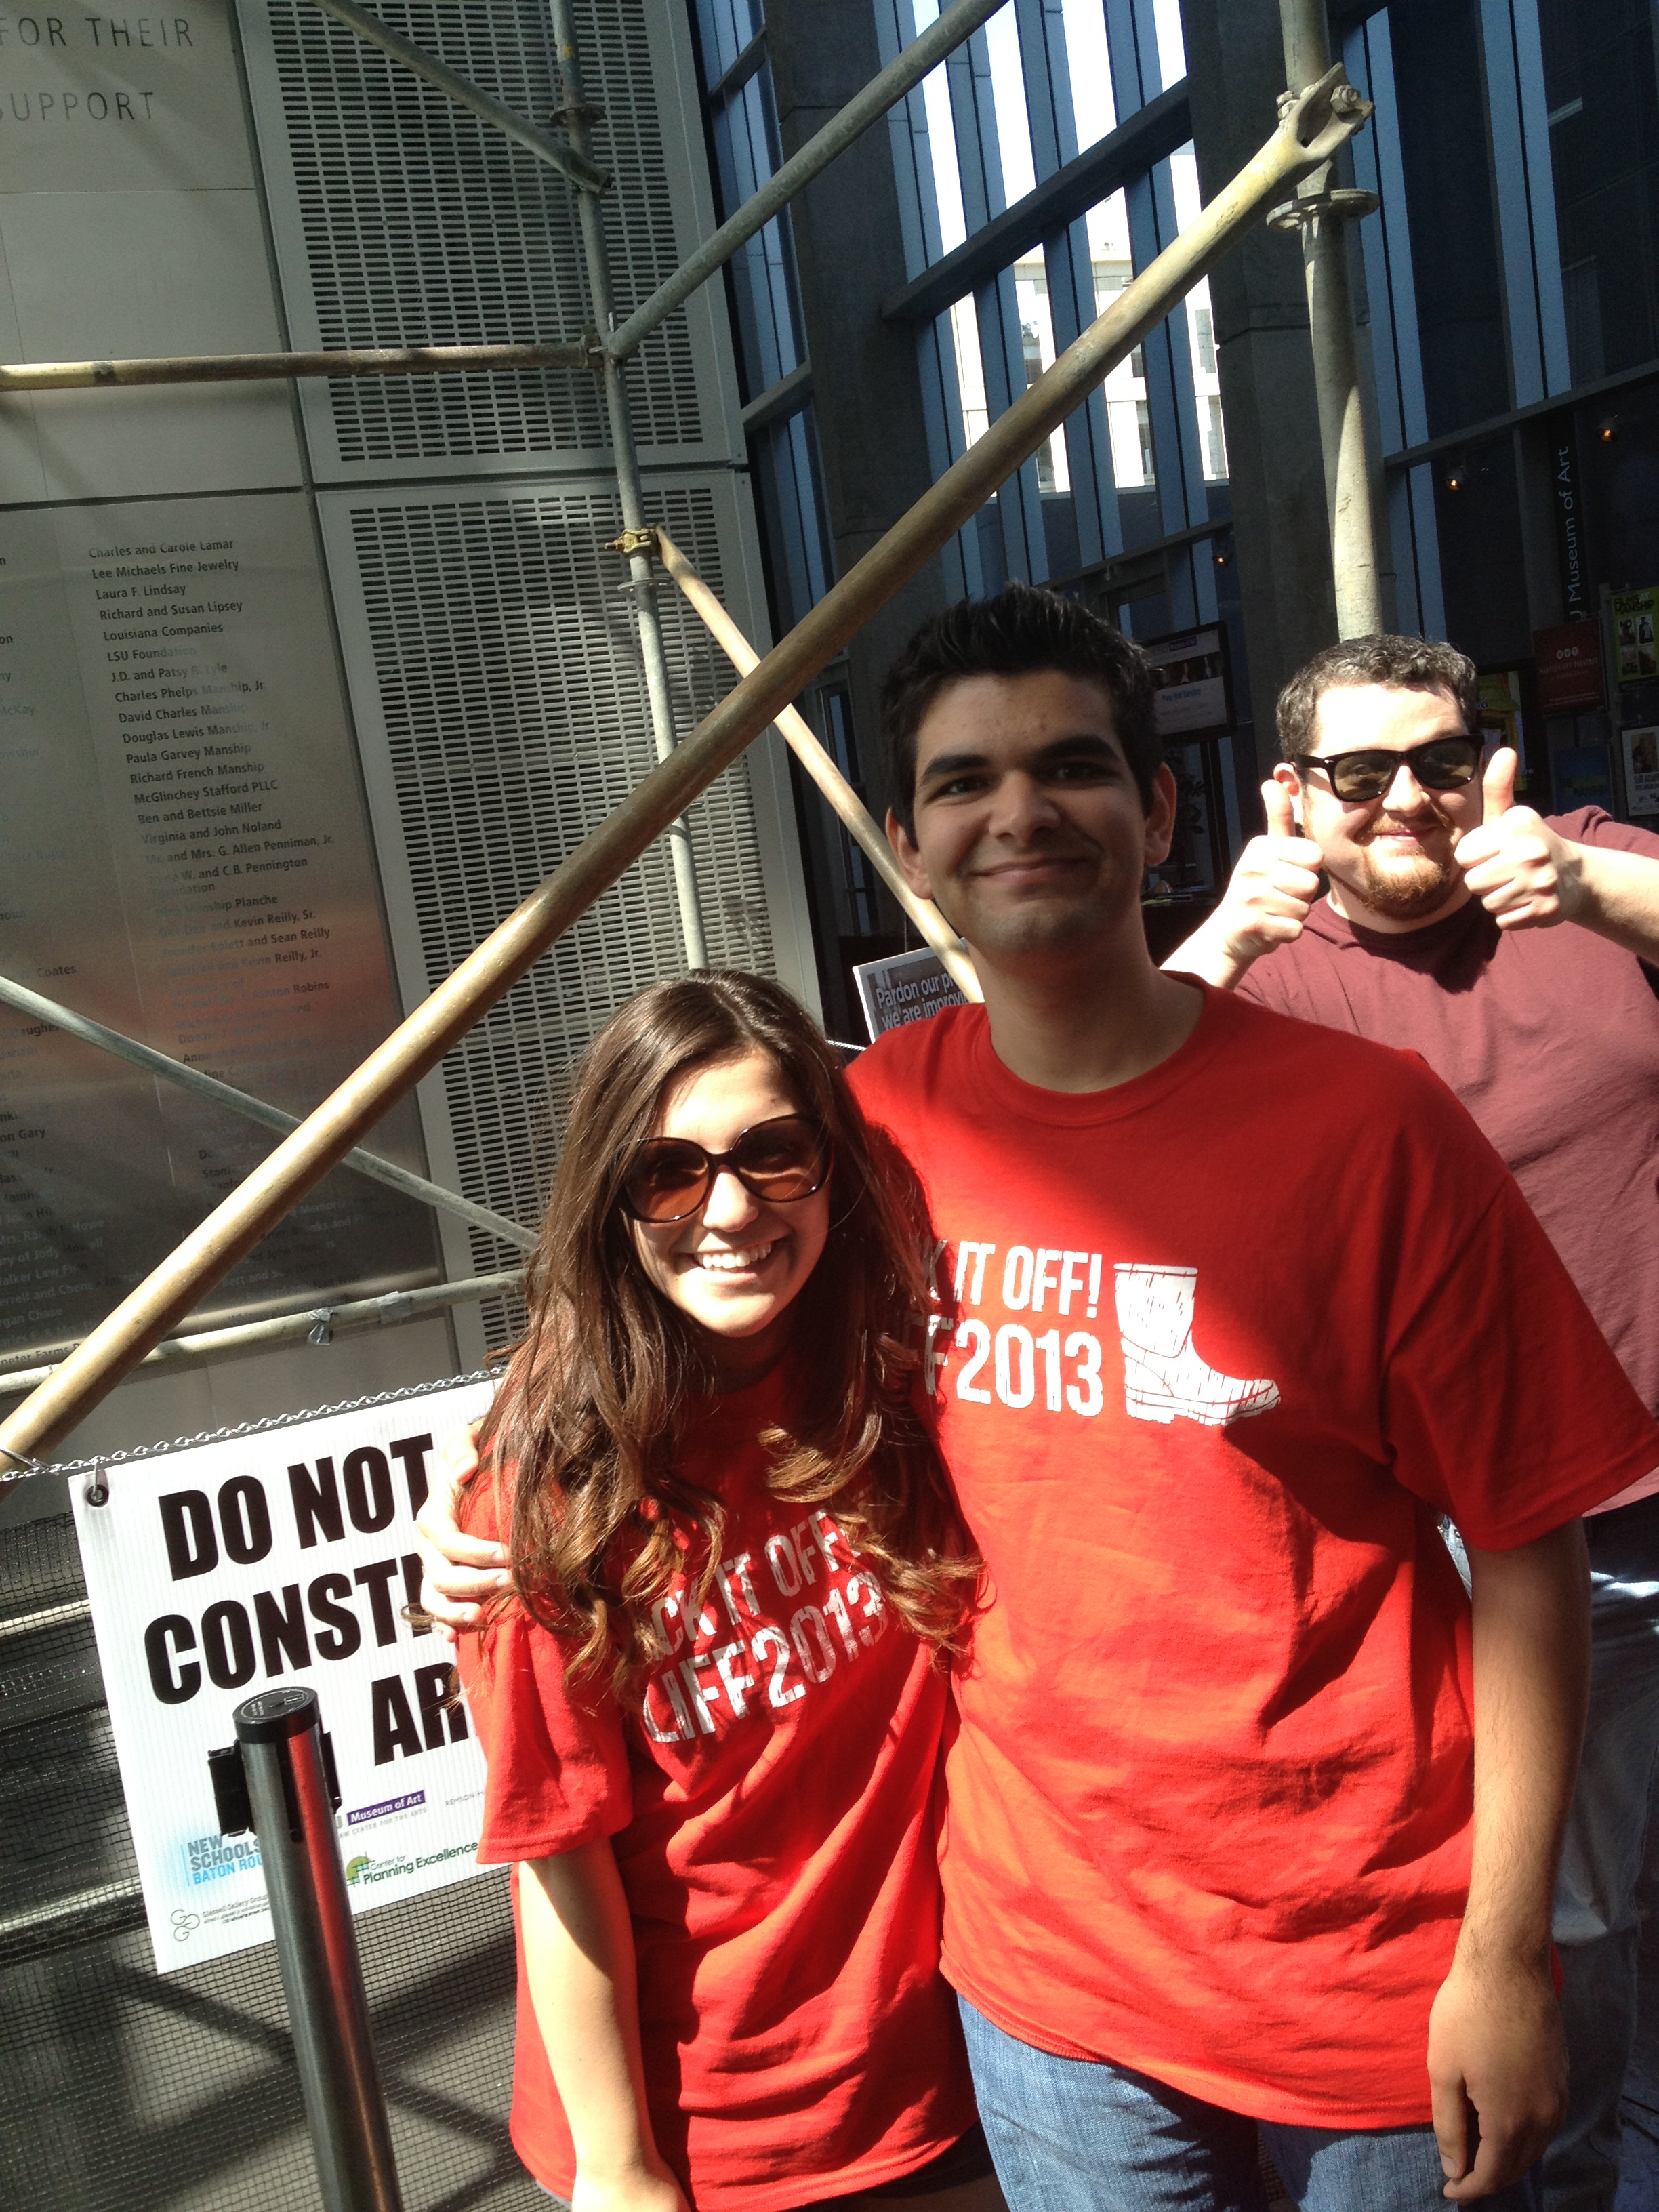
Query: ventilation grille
{"type": "Point", "coordinates": [516, 721]}
{"type": "Point", "coordinates": [423, 224]}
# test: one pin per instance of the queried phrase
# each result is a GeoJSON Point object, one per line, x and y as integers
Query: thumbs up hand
{"type": "Point", "coordinates": [1522, 872]}
{"type": "Point", "coordinates": [1275, 883]}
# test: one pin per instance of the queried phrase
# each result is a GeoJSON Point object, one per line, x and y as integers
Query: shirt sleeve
{"type": "Point", "coordinates": [556, 1757]}
{"type": "Point", "coordinates": [1503, 1402]}
{"type": "Point", "coordinates": [1259, 984]}
{"type": "Point", "coordinates": [1592, 825]}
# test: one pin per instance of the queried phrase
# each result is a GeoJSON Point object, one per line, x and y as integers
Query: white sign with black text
{"type": "Point", "coordinates": [217, 1568]}
{"type": "Point", "coordinates": [908, 987]}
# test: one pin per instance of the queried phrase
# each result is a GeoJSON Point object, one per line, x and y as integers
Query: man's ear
{"type": "Point", "coordinates": [909, 859]}
{"type": "Point", "coordinates": [1285, 777]}
{"type": "Point", "coordinates": [1161, 816]}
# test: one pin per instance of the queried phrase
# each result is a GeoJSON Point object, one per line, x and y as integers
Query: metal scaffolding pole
{"type": "Point", "coordinates": [577, 116]}
{"type": "Point", "coordinates": [1327, 114]}
{"type": "Point", "coordinates": [797, 733]}
{"type": "Point", "coordinates": [1322, 213]}
{"type": "Point", "coordinates": [942, 37]}
{"type": "Point", "coordinates": [255, 1109]}
{"type": "Point", "coordinates": [249, 368]}
{"type": "Point", "coordinates": [568, 161]}
{"type": "Point", "coordinates": [319, 1324]}
{"type": "Point", "coordinates": [883, 92]}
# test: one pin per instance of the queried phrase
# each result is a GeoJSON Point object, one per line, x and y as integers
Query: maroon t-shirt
{"type": "Point", "coordinates": [1551, 1038]}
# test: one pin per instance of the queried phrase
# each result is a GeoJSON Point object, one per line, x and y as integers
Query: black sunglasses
{"type": "Point", "coordinates": [669, 1178]}
{"type": "Point", "coordinates": [1442, 764]}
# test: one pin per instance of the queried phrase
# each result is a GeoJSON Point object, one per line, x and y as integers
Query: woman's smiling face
{"type": "Point", "coordinates": [737, 1265]}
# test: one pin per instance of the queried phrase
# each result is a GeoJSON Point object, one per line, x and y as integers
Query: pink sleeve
{"type": "Point", "coordinates": [557, 1757]}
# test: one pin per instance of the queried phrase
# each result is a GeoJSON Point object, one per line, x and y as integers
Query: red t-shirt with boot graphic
{"type": "Point", "coordinates": [1229, 1339]}
{"type": "Point", "coordinates": [774, 1811]}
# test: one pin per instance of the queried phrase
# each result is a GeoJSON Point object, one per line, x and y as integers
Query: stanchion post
{"type": "Point", "coordinates": [280, 1737]}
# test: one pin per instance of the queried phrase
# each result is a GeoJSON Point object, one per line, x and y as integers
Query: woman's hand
{"type": "Point", "coordinates": [459, 1572]}
{"type": "Point", "coordinates": [647, 2188]}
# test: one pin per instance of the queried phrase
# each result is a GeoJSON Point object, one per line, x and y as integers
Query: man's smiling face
{"type": "Point", "coordinates": [1030, 830]}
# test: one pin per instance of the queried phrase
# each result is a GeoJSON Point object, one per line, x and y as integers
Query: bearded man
{"type": "Point", "coordinates": [1519, 955]}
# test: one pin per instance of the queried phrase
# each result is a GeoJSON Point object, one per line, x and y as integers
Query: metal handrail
{"type": "Point", "coordinates": [201, 1085]}
{"type": "Point", "coordinates": [797, 733]}
{"type": "Point", "coordinates": [319, 1323]}
{"type": "Point", "coordinates": [250, 368]}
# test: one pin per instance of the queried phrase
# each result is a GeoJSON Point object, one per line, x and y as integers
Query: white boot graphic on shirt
{"type": "Point", "coordinates": [1163, 1375]}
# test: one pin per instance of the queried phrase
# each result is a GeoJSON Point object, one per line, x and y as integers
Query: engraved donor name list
{"type": "Point", "coordinates": [183, 856]}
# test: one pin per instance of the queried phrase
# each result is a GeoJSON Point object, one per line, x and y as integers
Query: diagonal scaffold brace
{"type": "Point", "coordinates": [798, 734]}
{"type": "Point", "coordinates": [1310, 129]}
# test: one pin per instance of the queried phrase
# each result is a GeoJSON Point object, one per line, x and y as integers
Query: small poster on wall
{"type": "Point", "coordinates": [1194, 690]}
{"type": "Point", "coordinates": [1583, 777]}
{"type": "Point", "coordinates": [1635, 615]}
{"type": "Point", "coordinates": [1642, 769]}
{"type": "Point", "coordinates": [1569, 661]}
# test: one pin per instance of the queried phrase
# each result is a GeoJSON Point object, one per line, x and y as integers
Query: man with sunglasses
{"type": "Point", "coordinates": [1508, 949]}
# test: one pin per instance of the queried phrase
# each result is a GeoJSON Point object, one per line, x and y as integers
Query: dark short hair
{"type": "Point", "coordinates": [1023, 631]}
{"type": "Point", "coordinates": [1404, 664]}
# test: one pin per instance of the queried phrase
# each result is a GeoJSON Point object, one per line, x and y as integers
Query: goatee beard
{"type": "Point", "coordinates": [1409, 891]}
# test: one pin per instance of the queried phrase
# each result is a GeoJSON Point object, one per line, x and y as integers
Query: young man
{"type": "Point", "coordinates": [1234, 1309]}
{"type": "Point", "coordinates": [1442, 930]}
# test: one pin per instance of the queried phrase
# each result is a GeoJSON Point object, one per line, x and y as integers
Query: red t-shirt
{"type": "Point", "coordinates": [775, 1816]}
{"type": "Point", "coordinates": [1209, 1806]}
{"type": "Point", "coordinates": [1551, 1038]}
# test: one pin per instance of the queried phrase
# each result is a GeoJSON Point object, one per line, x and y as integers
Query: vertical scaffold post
{"type": "Point", "coordinates": [1322, 213]}
{"type": "Point", "coordinates": [578, 116]}
{"type": "Point", "coordinates": [280, 1736]}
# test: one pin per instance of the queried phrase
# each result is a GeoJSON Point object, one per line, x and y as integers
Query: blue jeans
{"type": "Point", "coordinates": [1597, 1926]}
{"type": "Point", "coordinates": [1076, 2135]}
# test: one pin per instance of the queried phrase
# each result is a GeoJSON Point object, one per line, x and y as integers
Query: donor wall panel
{"type": "Point", "coordinates": [184, 856]}
{"type": "Point", "coordinates": [130, 225]}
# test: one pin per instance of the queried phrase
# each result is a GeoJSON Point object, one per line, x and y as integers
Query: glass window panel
{"type": "Point", "coordinates": [970, 372]}
{"type": "Point", "coordinates": [1127, 419]}
{"type": "Point", "coordinates": [792, 503]}
{"type": "Point", "coordinates": [1088, 64]}
{"type": "Point", "coordinates": [1171, 45]}
{"type": "Point", "coordinates": [1008, 99]}
{"type": "Point", "coordinates": [1036, 332]}
{"type": "Point", "coordinates": [1201, 326]}
{"type": "Point", "coordinates": [763, 282]}
{"type": "Point", "coordinates": [942, 143]}
{"type": "Point", "coordinates": [1601, 96]}
{"type": "Point", "coordinates": [728, 26]}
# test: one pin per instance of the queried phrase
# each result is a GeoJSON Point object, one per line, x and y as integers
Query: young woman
{"type": "Point", "coordinates": [712, 1707]}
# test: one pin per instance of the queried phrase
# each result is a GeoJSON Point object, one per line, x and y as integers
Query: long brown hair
{"type": "Point", "coordinates": [582, 1434]}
